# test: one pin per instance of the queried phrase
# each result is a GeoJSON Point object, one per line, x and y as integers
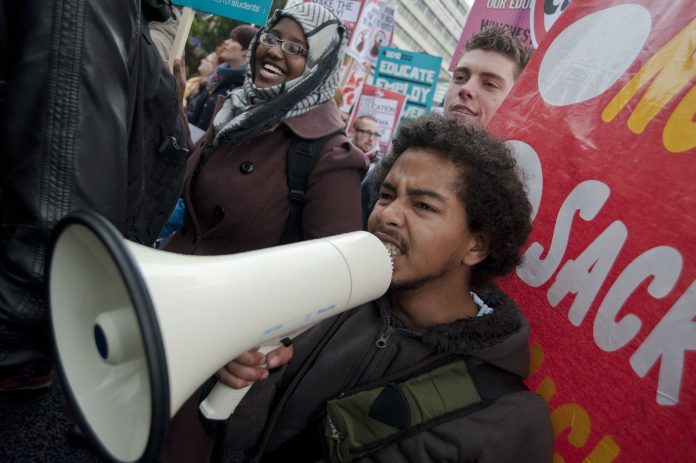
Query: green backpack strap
{"type": "Point", "coordinates": [362, 421]}
{"type": "Point", "coordinates": [302, 156]}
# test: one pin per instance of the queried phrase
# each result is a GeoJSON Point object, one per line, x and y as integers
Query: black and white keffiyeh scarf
{"type": "Point", "coordinates": [250, 110]}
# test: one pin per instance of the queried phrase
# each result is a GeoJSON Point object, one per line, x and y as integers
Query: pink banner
{"type": "Point", "coordinates": [513, 14]}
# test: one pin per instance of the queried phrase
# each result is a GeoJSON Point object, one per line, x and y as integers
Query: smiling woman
{"type": "Point", "coordinates": [281, 55]}
{"type": "Point", "coordinates": [291, 77]}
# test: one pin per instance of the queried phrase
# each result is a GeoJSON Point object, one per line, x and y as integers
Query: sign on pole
{"type": "Point", "coordinates": [182, 33]}
{"type": "Point", "coordinates": [375, 29]}
{"type": "Point", "coordinates": [411, 73]}
{"type": "Point", "coordinates": [603, 120]}
{"type": "Point", "coordinates": [248, 11]}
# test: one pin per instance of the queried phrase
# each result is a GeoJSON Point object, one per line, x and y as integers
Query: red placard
{"type": "Point", "coordinates": [385, 106]}
{"type": "Point", "coordinates": [353, 86]}
{"type": "Point", "coordinates": [603, 121]}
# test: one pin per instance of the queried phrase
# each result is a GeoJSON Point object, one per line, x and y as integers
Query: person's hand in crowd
{"type": "Point", "coordinates": [179, 72]}
{"type": "Point", "coordinates": [253, 366]}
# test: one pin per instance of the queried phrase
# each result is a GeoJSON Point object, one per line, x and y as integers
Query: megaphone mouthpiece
{"type": "Point", "coordinates": [115, 336]}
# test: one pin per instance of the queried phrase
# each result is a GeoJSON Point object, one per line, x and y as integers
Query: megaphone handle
{"type": "Point", "coordinates": [222, 400]}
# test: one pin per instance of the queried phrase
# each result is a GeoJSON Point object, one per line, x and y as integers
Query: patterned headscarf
{"type": "Point", "coordinates": [250, 110]}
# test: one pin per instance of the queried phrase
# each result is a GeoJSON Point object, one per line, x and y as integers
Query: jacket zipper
{"type": "Point", "coordinates": [384, 338]}
{"type": "Point", "coordinates": [369, 355]}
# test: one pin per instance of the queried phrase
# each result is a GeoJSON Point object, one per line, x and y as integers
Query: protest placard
{"type": "Point", "coordinates": [602, 121]}
{"type": "Point", "coordinates": [375, 28]}
{"type": "Point", "coordinates": [352, 88]}
{"type": "Point", "coordinates": [385, 106]}
{"type": "Point", "coordinates": [411, 73]}
{"type": "Point", "coordinates": [248, 11]}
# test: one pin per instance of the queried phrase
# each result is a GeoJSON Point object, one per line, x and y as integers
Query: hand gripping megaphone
{"type": "Point", "coordinates": [137, 330]}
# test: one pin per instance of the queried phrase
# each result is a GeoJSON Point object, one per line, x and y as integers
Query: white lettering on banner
{"type": "Point", "coordinates": [664, 263]}
{"type": "Point", "coordinates": [585, 275]}
{"type": "Point", "coordinates": [519, 4]}
{"type": "Point", "coordinates": [587, 198]}
{"type": "Point", "coordinates": [407, 71]}
{"type": "Point", "coordinates": [400, 87]}
{"type": "Point", "coordinates": [241, 5]}
{"type": "Point", "coordinates": [417, 94]}
{"type": "Point", "coordinates": [420, 94]}
{"type": "Point", "coordinates": [413, 112]}
{"type": "Point", "coordinates": [532, 174]}
{"type": "Point", "coordinates": [674, 334]}
{"type": "Point", "coordinates": [668, 343]}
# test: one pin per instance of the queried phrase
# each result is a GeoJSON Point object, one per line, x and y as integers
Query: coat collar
{"type": "Point", "coordinates": [317, 123]}
{"type": "Point", "coordinates": [500, 338]}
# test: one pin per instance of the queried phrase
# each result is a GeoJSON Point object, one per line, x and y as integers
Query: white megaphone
{"type": "Point", "coordinates": [137, 330]}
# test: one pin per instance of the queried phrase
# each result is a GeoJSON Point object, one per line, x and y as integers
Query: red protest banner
{"type": "Point", "coordinates": [603, 121]}
{"type": "Point", "coordinates": [542, 15]}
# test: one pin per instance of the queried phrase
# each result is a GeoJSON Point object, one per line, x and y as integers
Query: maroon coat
{"type": "Point", "coordinates": [240, 200]}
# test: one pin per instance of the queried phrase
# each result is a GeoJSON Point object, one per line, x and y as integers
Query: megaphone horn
{"type": "Point", "coordinates": [137, 330]}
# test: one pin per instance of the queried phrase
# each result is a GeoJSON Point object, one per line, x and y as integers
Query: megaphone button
{"type": "Point", "coordinates": [246, 167]}
{"type": "Point", "coordinates": [219, 212]}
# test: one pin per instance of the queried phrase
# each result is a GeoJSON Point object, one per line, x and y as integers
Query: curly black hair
{"type": "Point", "coordinates": [500, 40]}
{"type": "Point", "coordinates": [490, 186]}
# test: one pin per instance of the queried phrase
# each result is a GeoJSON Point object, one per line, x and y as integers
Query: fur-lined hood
{"type": "Point", "coordinates": [501, 338]}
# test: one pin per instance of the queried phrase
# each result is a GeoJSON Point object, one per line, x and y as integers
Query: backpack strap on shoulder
{"type": "Point", "coordinates": [367, 419]}
{"type": "Point", "coordinates": [302, 156]}
{"type": "Point", "coordinates": [492, 382]}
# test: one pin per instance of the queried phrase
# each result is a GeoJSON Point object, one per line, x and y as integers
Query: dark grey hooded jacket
{"type": "Point", "coordinates": [516, 428]}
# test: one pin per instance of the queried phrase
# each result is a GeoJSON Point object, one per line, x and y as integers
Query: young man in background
{"type": "Point", "coordinates": [492, 61]}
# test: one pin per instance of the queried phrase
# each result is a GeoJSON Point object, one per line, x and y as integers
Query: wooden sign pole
{"type": "Point", "coordinates": [182, 33]}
